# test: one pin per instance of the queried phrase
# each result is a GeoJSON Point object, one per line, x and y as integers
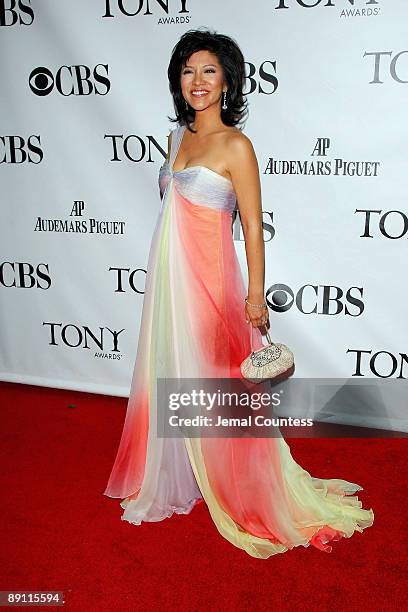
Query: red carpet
{"type": "Point", "coordinates": [59, 532]}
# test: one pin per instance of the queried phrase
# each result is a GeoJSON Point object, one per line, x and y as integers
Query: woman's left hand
{"type": "Point", "coordinates": [257, 316]}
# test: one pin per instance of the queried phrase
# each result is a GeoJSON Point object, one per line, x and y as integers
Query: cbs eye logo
{"type": "Point", "coordinates": [316, 299]}
{"type": "Point", "coordinates": [77, 80]}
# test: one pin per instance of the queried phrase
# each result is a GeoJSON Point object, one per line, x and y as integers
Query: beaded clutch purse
{"type": "Point", "coordinates": [272, 361]}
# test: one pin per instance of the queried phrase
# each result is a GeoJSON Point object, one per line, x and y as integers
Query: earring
{"type": "Point", "coordinates": [224, 100]}
{"type": "Point", "coordinates": [185, 101]}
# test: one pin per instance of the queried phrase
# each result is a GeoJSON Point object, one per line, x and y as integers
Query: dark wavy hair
{"type": "Point", "coordinates": [232, 61]}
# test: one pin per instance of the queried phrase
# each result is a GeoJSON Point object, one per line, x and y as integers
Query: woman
{"type": "Point", "coordinates": [197, 322]}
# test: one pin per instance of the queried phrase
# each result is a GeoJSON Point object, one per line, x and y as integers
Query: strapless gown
{"type": "Point", "coordinates": [193, 325]}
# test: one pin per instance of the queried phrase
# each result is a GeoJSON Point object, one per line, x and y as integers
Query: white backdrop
{"type": "Point", "coordinates": [83, 126]}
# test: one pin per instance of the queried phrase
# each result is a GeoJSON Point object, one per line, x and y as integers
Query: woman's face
{"type": "Point", "coordinates": [202, 80]}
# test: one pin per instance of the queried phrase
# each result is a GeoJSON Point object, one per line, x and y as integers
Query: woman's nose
{"type": "Point", "coordinates": [197, 80]}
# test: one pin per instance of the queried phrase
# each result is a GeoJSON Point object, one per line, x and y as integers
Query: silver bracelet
{"type": "Point", "coordinates": [264, 305]}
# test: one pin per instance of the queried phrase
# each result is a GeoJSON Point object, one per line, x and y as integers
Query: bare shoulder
{"type": "Point", "coordinates": [238, 147]}
{"type": "Point", "coordinates": [244, 171]}
{"type": "Point", "coordinates": [239, 151]}
{"type": "Point", "coordinates": [235, 135]}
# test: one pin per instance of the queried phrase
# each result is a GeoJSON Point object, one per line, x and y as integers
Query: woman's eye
{"type": "Point", "coordinates": [206, 70]}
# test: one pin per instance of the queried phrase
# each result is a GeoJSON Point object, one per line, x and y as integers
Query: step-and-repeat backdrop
{"type": "Point", "coordinates": [84, 112]}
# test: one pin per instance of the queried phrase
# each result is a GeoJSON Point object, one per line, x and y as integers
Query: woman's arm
{"type": "Point", "coordinates": [244, 170]}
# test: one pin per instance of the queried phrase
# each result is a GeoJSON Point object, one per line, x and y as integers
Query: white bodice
{"type": "Point", "coordinates": [198, 184]}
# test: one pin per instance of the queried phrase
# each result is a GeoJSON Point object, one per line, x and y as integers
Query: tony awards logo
{"type": "Point", "coordinates": [348, 8]}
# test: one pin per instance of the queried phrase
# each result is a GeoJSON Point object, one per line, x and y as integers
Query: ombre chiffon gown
{"type": "Point", "coordinates": [193, 326]}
